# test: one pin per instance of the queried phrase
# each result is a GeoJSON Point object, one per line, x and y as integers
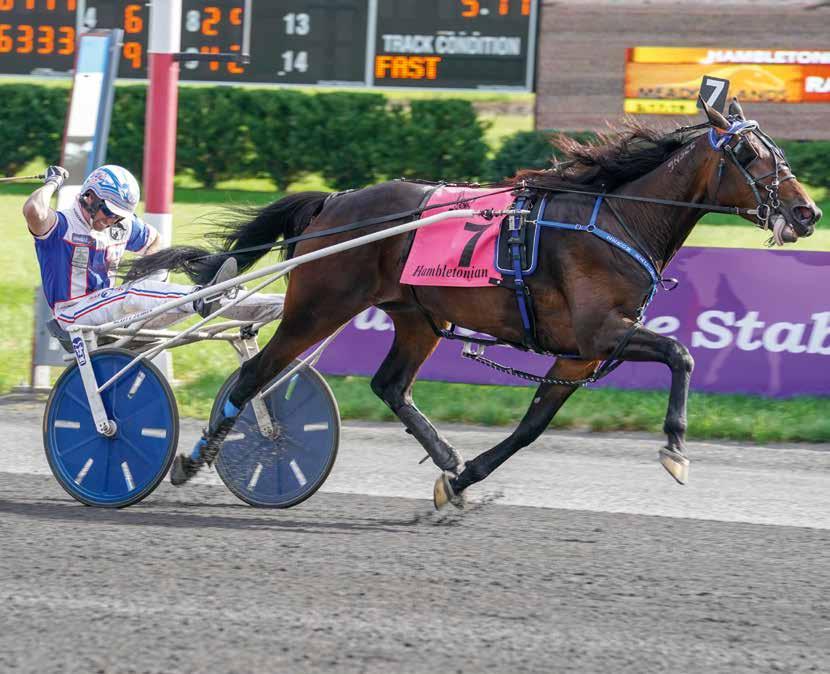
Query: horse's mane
{"type": "Point", "coordinates": [617, 156]}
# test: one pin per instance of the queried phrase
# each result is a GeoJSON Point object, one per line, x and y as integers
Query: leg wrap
{"type": "Point", "coordinates": [442, 453]}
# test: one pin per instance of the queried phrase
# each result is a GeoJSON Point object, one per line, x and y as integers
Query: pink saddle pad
{"type": "Point", "coordinates": [458, 251]}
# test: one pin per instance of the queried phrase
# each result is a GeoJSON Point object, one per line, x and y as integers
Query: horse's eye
{"type": "Point", "coordinates": [744, 153]}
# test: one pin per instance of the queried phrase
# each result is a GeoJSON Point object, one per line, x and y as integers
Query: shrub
{"type": "Point", "coordinates": [437, 140]}
{"type": "Point", "coordinates": [33, 121]}
{"type": "Point", "coordinates": [810, 160]}
{"type": "Point", "coordinates": [213, 139]}
{"type": "Point", "coordinates": [283, 132]}
{"type": "Point", "coordinates": [348, 131]}
{"type": "Point", "coordinates": [522, 150]}
{"type": "Point", "coordinates": [126, 141]}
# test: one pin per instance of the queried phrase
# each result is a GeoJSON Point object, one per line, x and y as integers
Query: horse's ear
{"type": "Point", "coordinates": [736, 110]}
{"type": "Point", "coordinates": [714, 116]}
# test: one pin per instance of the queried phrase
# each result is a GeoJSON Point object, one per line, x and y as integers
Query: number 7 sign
{"type": "Point", "coordinates": [713, 90]}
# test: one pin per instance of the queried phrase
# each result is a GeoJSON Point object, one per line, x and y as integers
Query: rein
{"type": "Point", "coordinates": [732, 210]}
{"type": "Point", "coordinates": [285, 243]}
{"type": "Point", "coordinates": [762, 212]}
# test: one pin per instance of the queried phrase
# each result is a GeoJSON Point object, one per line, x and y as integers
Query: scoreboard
{"type": "Point", "coordinates": [451, 44]}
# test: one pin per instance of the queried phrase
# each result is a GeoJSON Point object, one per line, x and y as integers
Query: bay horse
{"type": "Point", "coordinates": [587, 295]}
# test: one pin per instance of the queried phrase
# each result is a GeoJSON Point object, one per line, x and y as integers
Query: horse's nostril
{"type": "Point", "coordinates": [806, 215]}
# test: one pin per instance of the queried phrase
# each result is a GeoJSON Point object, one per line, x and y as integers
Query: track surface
{"type": "Point", "coordinates": [619, 571]}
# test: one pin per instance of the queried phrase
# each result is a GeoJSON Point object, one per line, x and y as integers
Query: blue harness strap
{"type": "Point", "coordinates": [592, 228]}
{"type": "Point", "coordinates": [518, 281]}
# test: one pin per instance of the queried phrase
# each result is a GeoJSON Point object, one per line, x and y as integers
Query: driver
{"type": "Point", "coordinates": [79, 249]}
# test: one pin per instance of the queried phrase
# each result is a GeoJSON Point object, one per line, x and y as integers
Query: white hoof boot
{"type": "Point", "coordinates": [676, 464]}
{"type": "Point", "coordinates": [443, 494]}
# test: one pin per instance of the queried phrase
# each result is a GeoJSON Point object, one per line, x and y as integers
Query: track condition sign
{"type": "Point", "coordinates": [450, 44]}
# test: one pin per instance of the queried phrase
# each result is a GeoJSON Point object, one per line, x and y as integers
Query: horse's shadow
{"type": "Point", "coordinates": [68, 510]}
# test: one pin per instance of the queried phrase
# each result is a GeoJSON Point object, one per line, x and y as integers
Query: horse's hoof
{"type": "Point", "coordinates": [182, 470]}
{"type": "Point", "coordinates": [443, 493]}
{"type": "Point", "coordinates": [676, 464]}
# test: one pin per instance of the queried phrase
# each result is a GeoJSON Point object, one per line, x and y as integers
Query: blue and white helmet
{"type": "Point", "coordinates": [116, 186]}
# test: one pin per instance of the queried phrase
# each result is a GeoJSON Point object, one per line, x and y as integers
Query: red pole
{"type": "Point", "coordinates": [160, 120]}
{"type": "Point", "coordinates": [160, 126]}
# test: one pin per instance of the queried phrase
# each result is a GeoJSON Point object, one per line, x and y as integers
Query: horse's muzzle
{"type": "Point", "coordinates": [804, 218]}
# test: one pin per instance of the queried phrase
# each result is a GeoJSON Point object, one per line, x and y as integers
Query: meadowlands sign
{"type": "Point", "coordinates": [756, 321]}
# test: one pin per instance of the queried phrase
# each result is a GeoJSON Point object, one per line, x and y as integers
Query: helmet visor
{"type": "Point", "coordinates": [115, 209]}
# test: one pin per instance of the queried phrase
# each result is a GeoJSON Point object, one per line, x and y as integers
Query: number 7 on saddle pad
{"type": "Point", "coordinates": [460, 251]}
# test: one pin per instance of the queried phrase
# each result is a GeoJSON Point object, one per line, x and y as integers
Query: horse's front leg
{"type": "Point", "coordinates": [413, 344]}
{"type": "Point", "coordinates": [546, 402]}
{"type": "Point", "coordinates": [645, 345]}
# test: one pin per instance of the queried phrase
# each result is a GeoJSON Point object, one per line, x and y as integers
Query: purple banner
{"type": "Point", "coordinates": [755, 321]}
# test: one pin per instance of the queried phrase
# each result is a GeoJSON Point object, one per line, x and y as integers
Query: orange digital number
{"type": "Point", "coordinates": [235, 68]}
{"type": "Point", "coordinates": [133, 23]}
{"type": "Point", "coordinates": [213, 65]}
{"type": "Point", "coordinates": [473, 8]}
{"type": "Point", "coordinates": [46, 40]}
{"type": "Point", "coordinates": [6, 42]}
{"type": "Point", "coordinates": [6, 5]}
{"type": "Point", "coordinates": [212, 16]}
{"type": "Point", "coordinates": [25, 39]}
{"type": "Point", "coordinates": [66, 41]}
{"type": "Point", "coordinates": [235, 16]}
{"type": "Point", "coordinates": [132, 52]}
{"type": "Point", "coordinates": [504, 7]}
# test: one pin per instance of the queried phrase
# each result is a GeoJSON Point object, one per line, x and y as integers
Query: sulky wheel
{"type": "Point", "coordinates": [288, 467]}
{"type": "Point", "coordinates": [117, 471]}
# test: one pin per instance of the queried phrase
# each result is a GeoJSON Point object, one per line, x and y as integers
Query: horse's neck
{"type": "Point", "coordinates": [683, 177]}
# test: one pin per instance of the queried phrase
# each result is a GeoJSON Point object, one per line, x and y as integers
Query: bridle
{"type": "Point", "coordinates": [742, 154]}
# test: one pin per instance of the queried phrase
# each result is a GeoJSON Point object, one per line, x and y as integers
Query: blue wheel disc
{"type": "Point", "coordinates": [282, 471]}
{"type": "Point", "coordinates": [121, 470]}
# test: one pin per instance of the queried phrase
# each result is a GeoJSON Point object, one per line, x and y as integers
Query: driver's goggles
{"type": "Point", "coordinates": [110, 215]}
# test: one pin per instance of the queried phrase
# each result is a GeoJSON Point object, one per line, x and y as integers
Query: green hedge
{"type": "Point", "coordinates": [810, 160]}
{"type": "Point", "coordinates": [352, 139]}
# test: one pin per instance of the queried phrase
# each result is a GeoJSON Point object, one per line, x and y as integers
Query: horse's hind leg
{"type": "Point", "coordinates": [298, 331]}
{"type": "Point", "coordinates": [414, 342]}
{"type": "Point", "coordinates": [547, 401]}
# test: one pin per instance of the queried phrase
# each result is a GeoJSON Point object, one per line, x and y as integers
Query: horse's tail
{"type": "Point", "coordinates": [285, 218]}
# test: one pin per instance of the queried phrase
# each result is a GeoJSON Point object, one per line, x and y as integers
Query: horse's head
{"type": "Point", "coordinates": [753, 173]}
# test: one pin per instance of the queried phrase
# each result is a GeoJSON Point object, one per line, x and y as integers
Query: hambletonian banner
{"type": "Point", "coordinates": [667, 79]}
{"type": "Point", "coordinates": [755, 321]}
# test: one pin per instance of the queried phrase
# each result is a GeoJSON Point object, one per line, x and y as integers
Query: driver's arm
{"type": "Point", "coordinates": [39, 215]}
{"type": "Point", "coordinates": [155, 245]}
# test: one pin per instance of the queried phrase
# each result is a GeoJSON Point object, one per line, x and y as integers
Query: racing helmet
{"type": "Point", "coordinates": [116, 187]}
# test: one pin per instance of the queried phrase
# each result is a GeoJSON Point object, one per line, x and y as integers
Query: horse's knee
{"type": "Point", "coordinates": [378, 385]}
{"type": "Point", "coordinates": [679, 358]}
{"type": "Point", "coordinates": [390, 391]}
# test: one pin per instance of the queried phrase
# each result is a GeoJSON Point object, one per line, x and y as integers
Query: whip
{"type": "Point", "coordinates": [38, 176]}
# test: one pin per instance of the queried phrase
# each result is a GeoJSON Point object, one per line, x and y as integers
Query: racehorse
{"type": "Point", "coordinates": [588, 292]}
